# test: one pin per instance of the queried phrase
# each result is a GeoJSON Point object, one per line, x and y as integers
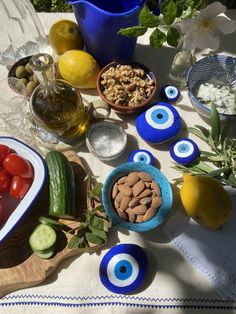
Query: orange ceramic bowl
{"type": "Point", "coordinates": [128, 107]}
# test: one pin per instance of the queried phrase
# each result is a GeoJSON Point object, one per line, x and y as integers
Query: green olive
{"type": "Point", "coordinates": [24, 81]}
{"type": "Point", "coordinates": [35, 78]}
{"type": "Point", "coordinates": [30, 87]}
{"type": "Point", "coordinates": [21, 71]}
{"type": "Point", "coordinates": [28, 68]}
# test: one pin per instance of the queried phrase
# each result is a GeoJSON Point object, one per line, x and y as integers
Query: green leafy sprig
{"type": "Point", "coordinates": [172, 13]}
{"type": "Point", "coordinates": [93, 230]}
{"type": "Point", "coordinates": [220, 162]}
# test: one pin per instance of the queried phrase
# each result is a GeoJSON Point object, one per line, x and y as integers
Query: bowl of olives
{"type": "Point", "coordinates": [22, 71]}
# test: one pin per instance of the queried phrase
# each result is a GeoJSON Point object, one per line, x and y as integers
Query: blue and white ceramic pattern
{"type": "Point", "coordinates": [142, 155]}
{"type": "Point", "coordinates": [159, 124]}
{"type": "Point", "coordinates": [184, 151]}
{"type": "Point", "coordinates": [123, 268]}
{"type": "Point", "coordinates": [170, 93]}
{"type": "Point", "coordinates": [221, 68]}
{"type": "Point", "coordinates": [159, 178]}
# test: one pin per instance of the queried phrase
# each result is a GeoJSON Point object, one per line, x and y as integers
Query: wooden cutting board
{"type": "Point", "coordinates": [19, 267]}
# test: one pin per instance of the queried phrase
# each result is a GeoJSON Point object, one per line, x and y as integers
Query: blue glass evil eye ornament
{"type": "Point", "coordinates": [159, 123]}
{"type": "Point", "coordinates": [184, 151]}
{"type": "Point", "coordinates": [142, 155]}
{"type": "Point", "coordinates": [170, 93]}
{"type": "Point", "coordinates": [123, 268]}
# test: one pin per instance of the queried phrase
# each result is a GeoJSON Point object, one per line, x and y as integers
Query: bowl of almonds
{"type": "Point", "coordinates": [126, 86]}
{"type": "Point", "coordinates": [137, 196]}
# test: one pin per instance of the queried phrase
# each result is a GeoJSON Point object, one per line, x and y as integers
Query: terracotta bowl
{"type": "Point", "coordinates": [126, 108]}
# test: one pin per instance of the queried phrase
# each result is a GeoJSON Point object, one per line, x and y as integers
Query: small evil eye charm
{"type": "Point", "coordinates": [170, 93]}
{"type": "Point", "coordinates": [123, 268]}
{"type": "Point", "coordinates": [142, 155]}
{"type": "Point", "coordinates": [184, 151]}
{"type": "Point", "coordinates": [158, 124]}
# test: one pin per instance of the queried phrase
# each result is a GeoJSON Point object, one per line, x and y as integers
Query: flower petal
{"type": "Point", "coordinates": [202, 40]}
{"type": "Point", "coordinates": [224, 25]}
{"type": "Point", "coordinates": [185, 25]}
{"type": "Point", "coordinates": [213, 10]}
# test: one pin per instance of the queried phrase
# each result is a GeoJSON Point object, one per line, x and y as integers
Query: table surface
{"type": "Point", "coordinates": [173, 284]}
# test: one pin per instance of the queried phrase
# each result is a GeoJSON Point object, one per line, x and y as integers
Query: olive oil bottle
{"type": "Point", "coordinates": [56, 105]}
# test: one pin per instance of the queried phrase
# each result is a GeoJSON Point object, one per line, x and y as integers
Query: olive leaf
{"type": "Point", "coordinates": [215, 124]}
{"type": "Point", "coordinates": [147, 18]}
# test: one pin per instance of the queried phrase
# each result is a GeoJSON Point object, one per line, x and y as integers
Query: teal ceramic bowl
{"type": "Point", "coordinates": [160, 179]}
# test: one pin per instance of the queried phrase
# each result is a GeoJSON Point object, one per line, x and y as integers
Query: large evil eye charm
{"type": "Point", "coordinates": [142, 155]}
{"type": "Point", "coordinates": [170, 93]}
{"type": "Point", "coordinates": [184, 151]}
{"type": "Point", "coordinates": [159, 123]}
{"type": "Point", "coordinates": [123, 268]}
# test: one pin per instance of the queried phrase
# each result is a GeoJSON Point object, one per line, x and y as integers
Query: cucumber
{"type": "Point", "coordinates": [51, 222]}
{"type": "Point", "coordinates": [61, 186]}
{"type": "Point", "coordinates": [42, 238]}
{"type": "Point", "coordinates": [45, 255]}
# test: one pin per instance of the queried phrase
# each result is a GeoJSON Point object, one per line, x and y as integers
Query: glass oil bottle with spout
{"type": "Point", "coordinates": [57, 106]}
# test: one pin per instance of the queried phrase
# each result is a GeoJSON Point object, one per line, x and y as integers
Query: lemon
{"type": "Point", "coordinates": [65, 35]}
{"type": "Point", "coordinates": [205, 200]}
{"type": "Point", "coordinates": [79, 68]}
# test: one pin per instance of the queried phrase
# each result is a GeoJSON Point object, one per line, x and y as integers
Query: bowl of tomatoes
{"type": "Point", "coordinates": [22, 175]}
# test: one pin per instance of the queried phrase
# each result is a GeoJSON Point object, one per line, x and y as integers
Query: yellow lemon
{"type": "Point", "coordinates": [205, 200]}
{"type": "Point", "coordinates": [65, 35]}
{"type": "Point", "coordinates": [78, 68]}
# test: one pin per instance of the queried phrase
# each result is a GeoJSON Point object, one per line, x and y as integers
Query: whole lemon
{"type": "Point", "coordinates": [205, 200]}
{"type": "Point", "coordinates": [78, 68]}
{"type": "Point", "coordinates": [65, 35]}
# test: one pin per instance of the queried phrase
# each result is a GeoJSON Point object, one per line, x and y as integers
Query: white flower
{"type": "Point", "coordinates": [202, 30]}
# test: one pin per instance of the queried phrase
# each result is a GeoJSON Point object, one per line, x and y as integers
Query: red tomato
{"type": "Point", "coordinates": [5, 181]}
{"type": "Point", "coordinates": [1, 214]}
{"type": "Point", "coordinates": [19, 186]}
{"type": "Point", "coordinates": [18, 166]}
{"type": "Point", "coordinates": [4, 151]}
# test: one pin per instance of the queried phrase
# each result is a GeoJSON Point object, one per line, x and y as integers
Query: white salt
{"type": "Point", "coordinates": [106, 141]}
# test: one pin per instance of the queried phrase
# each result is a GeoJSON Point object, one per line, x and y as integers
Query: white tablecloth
{"type": "Point", "coordinates": [173, 284]}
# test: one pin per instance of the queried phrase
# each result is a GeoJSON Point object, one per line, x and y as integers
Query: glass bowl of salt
{"type": "Point", "coordinates": [106, 140]}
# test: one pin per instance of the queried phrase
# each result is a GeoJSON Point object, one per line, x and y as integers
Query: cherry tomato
{"type": "Point", "coordinates": [19, 186]}
{"type": "Point", "coordinates": [1, 214]}
{"type": "Point", "coordinates": [18, 166]}
{"type": "Point", "coordinates": [5, 181]}
{"type": "Point", "coordinates": [4, 151]}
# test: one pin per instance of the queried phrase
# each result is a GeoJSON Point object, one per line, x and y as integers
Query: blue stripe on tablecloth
{"type": "Point", "coordinates": [128, 301]}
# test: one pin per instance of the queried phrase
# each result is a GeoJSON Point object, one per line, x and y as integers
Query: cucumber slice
{"type": "Point", "coordinates": [51, 222]}
{"type": "Point", "coordinates": [44, 251]}
{"type": "Point", "coordinates": [42, 238]}
{"type": "Point", "coordinates": [45, 255]}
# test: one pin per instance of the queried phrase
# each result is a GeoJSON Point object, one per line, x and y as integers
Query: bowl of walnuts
{"type": "Point", "coordinates": [137, 196]}
{"type": "Point", "coordinates": [126, 86]}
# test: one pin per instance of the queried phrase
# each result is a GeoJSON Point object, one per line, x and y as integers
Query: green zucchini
{"type": "Point", "coordinates": [61, 186]}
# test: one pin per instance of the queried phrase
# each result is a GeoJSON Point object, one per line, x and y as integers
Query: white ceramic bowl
{"type": "Point", "coordinates": [39, 166]}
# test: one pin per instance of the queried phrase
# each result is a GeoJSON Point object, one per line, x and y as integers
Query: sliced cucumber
{"type": "Point", "coordinates": [42, 238]}
{"type": "Point", "coordinates": [45, 255]}
{"type": "Point", "coordinates": [50, 222]}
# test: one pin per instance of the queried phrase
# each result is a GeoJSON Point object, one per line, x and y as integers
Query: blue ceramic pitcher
{"type": "Point", "coordinates": [99, 22]}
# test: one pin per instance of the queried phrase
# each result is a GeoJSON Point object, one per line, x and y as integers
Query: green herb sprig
{"type": "Point", "coordinates": [172, 12]}
{"type": "Point", "coordinates": [93, 230]}
{"type": "Point", "coordinates": [220, 162]}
